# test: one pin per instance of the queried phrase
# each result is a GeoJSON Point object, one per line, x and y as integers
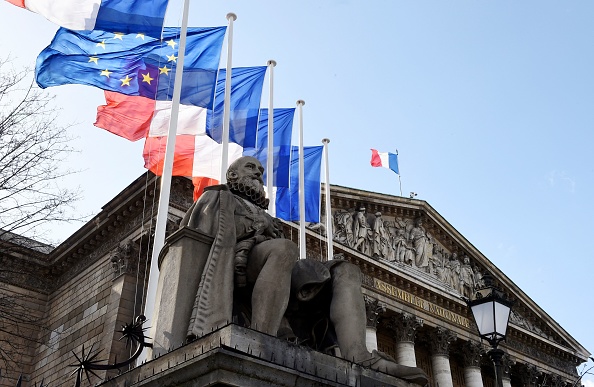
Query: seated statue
{"type": "Point", "coordinates": [253, 275]}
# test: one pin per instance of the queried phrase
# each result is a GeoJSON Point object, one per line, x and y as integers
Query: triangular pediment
{"type": "Point", "coordinates": [409, 243]}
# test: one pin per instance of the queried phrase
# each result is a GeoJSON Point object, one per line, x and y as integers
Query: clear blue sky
{"type": "Point", "coordinates": [489, 103]}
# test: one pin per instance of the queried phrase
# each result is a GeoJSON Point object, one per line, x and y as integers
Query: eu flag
{"type": "Point", "coordinates": [134, 64]}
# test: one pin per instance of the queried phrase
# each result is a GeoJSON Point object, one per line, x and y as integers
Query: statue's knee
{"type": "Point", "coordinates": [346, 271]}
{"type": "Point", "coordinates": [288, 252]}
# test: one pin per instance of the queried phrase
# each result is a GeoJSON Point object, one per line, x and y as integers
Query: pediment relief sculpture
{"type": "Point", "coordinates": [402, 241]}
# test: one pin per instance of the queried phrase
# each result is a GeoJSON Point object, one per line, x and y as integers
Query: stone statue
{"type": "Point", "coordinates": [249, 272]}
{"type": "Point", "coordinates": [344, 228]}
{"type": "Point", "coordinates": [362, 232]}
{"type": "Point", "coordinates": [248, 249]}
{"type": "Point", "coordinates": [419, 241]}
{"type": "Point", "coordinates": [381, 237]}
{"type": "Point", "coordinates": [466, 278]}
{"type": "Point", "coordinates": [401, 247]}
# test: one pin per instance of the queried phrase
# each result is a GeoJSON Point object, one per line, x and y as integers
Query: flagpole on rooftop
{"type": "Point", "coordinates": [270, 157]}
{"type": "Point", "coordinates": [329, 231]}
{"type": "Point", "coordinates": [302, 253]}
{"type": "Point", "coordinates": [163, 206]}
{"type": "Point", "coordinates": [399, 180]}
{"type": "Point", "coordinates": [227, 109]}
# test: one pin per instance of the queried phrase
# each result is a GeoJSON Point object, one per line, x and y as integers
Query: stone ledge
{"type": "Point", "coordinates": [236, 356]}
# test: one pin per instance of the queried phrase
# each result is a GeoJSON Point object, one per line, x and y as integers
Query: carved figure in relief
{"type": "Point", "coordinates": [362, 232]}
{"type": "Point", "coordinates": [455, 272]}
{"type": "Point", "coordinates": [381, 237]}
{"type": "Point", "coordinates": [466, 278]}
{"type": "Point", "coordinates": [344, 228]}
{"type": "Point", "coordinates": [419, 241]}
{"type": "Point", "coordinates": [478, 278]}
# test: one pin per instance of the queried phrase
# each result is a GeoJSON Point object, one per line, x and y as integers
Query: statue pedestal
{"type": "Point", "coordinates": [237, 356]}
{"type": "Point", "coordinates": [181, 263]}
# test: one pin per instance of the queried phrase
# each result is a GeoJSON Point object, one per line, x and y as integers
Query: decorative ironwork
{"type": "Point", "coordinates": [87, 363]}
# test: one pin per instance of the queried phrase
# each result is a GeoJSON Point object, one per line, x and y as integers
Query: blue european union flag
{"type": "Point", "coordinates": [134, 64]}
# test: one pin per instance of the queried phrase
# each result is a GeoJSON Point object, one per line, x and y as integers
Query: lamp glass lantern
{"type": "Point", "coordinates": [491, 310]}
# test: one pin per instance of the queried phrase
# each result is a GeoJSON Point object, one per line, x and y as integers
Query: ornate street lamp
{"type": "Point", "coordinates": [491, 310]}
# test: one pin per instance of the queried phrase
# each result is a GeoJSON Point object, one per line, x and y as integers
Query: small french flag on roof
{"type": "Point", "coordinates": [384, 159]}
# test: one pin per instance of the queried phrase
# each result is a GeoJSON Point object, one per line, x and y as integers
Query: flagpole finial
{"type": "Point", "coordinates": [231, 15]}
{"type": "Point", "coordinates": [325, 140]}
{"type": "Point", "coordinates": [271, 62]}
{"type": "Point", "coordinates": [300, 102]}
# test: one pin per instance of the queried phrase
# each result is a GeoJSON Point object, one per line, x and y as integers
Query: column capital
{"type": "Point", "coordinates": [405, 326]}
{"type": "Point", "coordinates": [529, 375]}
{"type": "Point", "coordinates": [373, 309]}
{"type": "Point", "coordinates": [440, 340]}
{"type": "Point", "coordinates": [472, 353]}
{"type": "Point", "coordinates": [507, 363]}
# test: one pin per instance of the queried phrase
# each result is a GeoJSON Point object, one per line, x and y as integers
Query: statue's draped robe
{"type": "Point", "coordinates": [214, 214]}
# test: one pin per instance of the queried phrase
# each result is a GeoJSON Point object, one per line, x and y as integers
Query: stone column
{"type": "Point", "coordinates": [507, 365]}
{"type": "Point", "coordinates": [405, 328]}
{"type": "Point", "coordinates": [373, 308]}
{"type": "Point", "coordinates": [440, 340]}
{"type": "Point", "coordinates": [472, 353]}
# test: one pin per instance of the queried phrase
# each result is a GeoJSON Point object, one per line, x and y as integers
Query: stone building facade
{"type": "Point", "coordinates": [416, 269]}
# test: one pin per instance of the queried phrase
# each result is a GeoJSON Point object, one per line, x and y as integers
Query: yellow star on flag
{"type": "Point", "coordinates": [118, 35]}
{"type": "Point", "coordinates": [164, 70]}
{"type": "Point", "coordinates": [106, 73]}
{"type": "Point", "coordinates": [101, 44]}
{"type": "Point", "coordinates": [171, 58]}
{"type": "Point", "coordinates": [171, 43]}
{"type": "Point", "coordinates": [147, 78]}
{"type": "Point", "coordinates": [94, 59]}
{"type": "Point", "coordinates": [126, 81]}
{"type": "Point", "coordinates": [141, 36]}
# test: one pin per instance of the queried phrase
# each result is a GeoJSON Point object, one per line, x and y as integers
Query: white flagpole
{"type": "Point", "coordinates": [270, 157]}
{"type": "Point", "coordinates": [163, 206]}
{"type": "Point", "coordinates": [227, 109]}
{"type": "Point", "coordinates": [329, 231]}
{"type": "Point", "coordinates": [302, 253]}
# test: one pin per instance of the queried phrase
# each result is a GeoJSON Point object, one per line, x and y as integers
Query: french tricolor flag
{"type": "Point", "coordinates": [143, 17]}
{"type": "Point", "coordinates": [384, 159]}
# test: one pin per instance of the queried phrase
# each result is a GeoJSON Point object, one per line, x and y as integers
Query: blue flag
{"type": "Point", "coordinates": [134, 64]}
{"type": "Point", "coordinates": [283, 129]}
{"type": "Point", "coordinates": [124, 16]}
{"type": "Point", "coordinates": [287, 198]}
{"type": "Point", "coordinates": [246, 92]}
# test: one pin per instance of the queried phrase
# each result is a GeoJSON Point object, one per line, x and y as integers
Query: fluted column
{"type": "Point", "coordinates": [405, 328]}
{"type": "Point", "coordinates": [507, 366]}
{"type": "Point", "coordinates": [472, 353]}
{"type": "Point", "coordinates": [373, 308]}
{"type": "Point", "coordinates": [441, 338]}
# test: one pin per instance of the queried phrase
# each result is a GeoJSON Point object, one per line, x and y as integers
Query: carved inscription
{"type": "Point", "coordinates": [430, 307]}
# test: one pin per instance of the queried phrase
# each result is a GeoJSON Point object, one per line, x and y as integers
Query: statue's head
{"type": "Point", "coordinates": [245, 166]}
{"type": "Point", "coordinates": [244, 176]}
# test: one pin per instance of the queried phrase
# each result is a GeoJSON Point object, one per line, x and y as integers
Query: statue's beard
{"type": "Point", "coordinates": [251, 189]}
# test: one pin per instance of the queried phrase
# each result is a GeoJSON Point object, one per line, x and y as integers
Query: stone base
{"type": "Point", "coordinates": [236, 356]}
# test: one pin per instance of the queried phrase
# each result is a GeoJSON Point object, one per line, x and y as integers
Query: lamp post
{"type": "Point", "coordinates": [490, 309]}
